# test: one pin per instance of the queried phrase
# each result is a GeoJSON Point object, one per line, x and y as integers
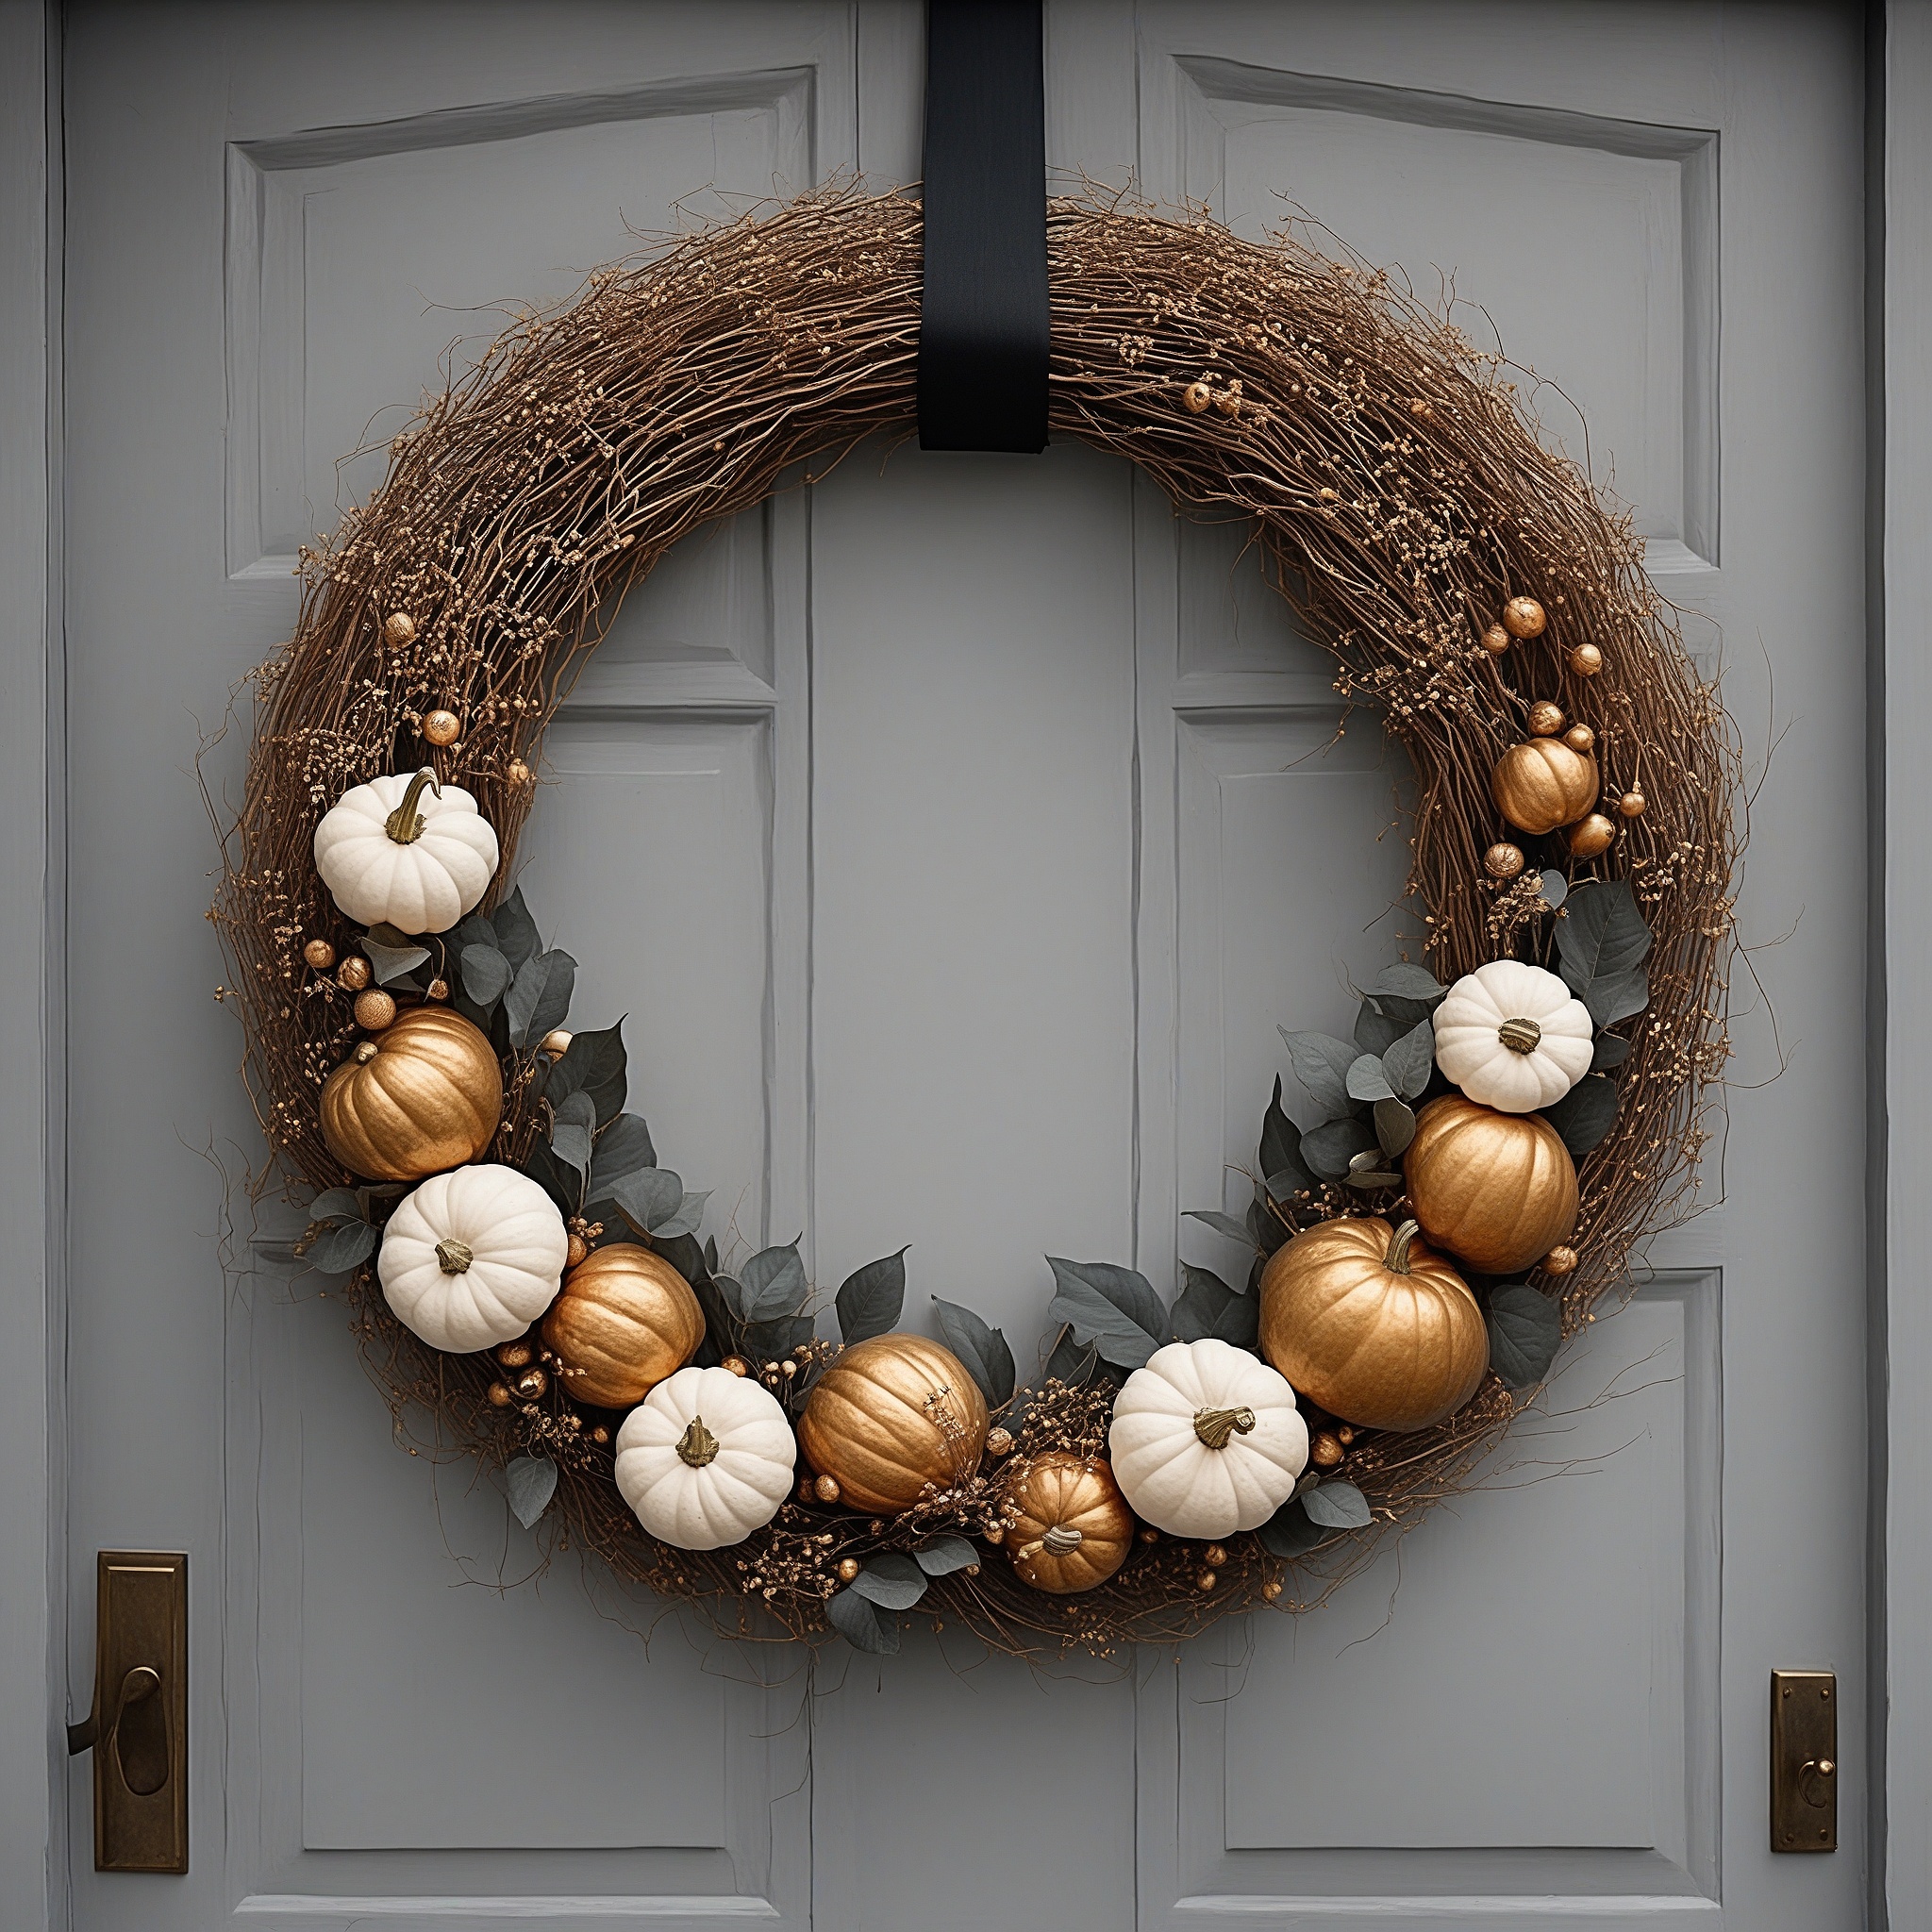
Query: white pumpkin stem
{"type": "Point", "coordinates": [404, 823]}
{"type": "Point", "coordinates": [1397, 1262]}
{"type": "Point", "coordinates": [454, 1257]}
{"type": "Point", "coordinates": [697, 1445]}
{"type": "Point", "coordinates": [1520, 1036]}
{"type": "Point", "coordinates": [1216, 1426]}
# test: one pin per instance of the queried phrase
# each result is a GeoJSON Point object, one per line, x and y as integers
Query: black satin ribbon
{"type": "Point", "coordinates": [983, 326]}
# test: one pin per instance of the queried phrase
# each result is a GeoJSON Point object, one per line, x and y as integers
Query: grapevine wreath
{"type": "Point", "coordinates": [1516, 1105]}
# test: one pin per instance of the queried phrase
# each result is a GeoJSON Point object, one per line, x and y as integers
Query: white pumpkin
{"type": "Point", "coordinates": [1513, 1037]}
{"type": "Point", "coordinates": [706, 1459]}
{"type": "Point", "coordinates": [473, 1257]}
{"type": "Point", "coordinates": [1207, 1439]}
{"type": "Point", "coordinates": [408, 851]}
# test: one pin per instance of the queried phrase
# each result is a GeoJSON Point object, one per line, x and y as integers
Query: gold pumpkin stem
{"type": "Point", "coordinates": [454, 1257]}
{"type": "Point", "coordinates": [404, 823]}
{"type": "Point", "coordinates": [1520, 1036]}
{"type": "Point", "coordinates": [1216, 1425]}
{"type": "Point", "coordinates": [1062, 1539]}
{"type": "Point", "coordinates": [1398, 1247]}
{"type": "Point", "coordinates": [697, 1445]}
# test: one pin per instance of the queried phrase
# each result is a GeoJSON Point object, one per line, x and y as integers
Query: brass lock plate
{"type": "Point", "coordinates": [1804, 1761]}
{"type": "Point", "coordinates": [140, 1711]}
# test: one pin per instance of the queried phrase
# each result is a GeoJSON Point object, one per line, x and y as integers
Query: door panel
{"type": "Point", "coordinates": [953, 834]}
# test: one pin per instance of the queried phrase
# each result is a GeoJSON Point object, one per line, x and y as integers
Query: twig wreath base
{"type": "Point", "coordinates": [1400, 498]}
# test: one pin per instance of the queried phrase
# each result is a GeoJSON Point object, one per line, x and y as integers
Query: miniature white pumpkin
{"type": "Point", "coordinates": [1513, 1037]}
{"type": "Point", "coordinates": [1207, 1439]}
{"type": "Point", "coordinates": [473, 1257]}
{"type": "Point", "coordinates": [406, 850]}
{"type": "Point", "coordinates": [706, 1459]}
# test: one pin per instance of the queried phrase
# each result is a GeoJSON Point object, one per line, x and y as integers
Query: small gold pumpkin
{"type": "Point", "coordinates": [1541, 784]}
{"type": "Point", "coordinates": [890, 1415]}
{"type": "Point", "coordinates": [625, 1320]}
{"type": "Point", "coordinates": [1373, 1325]}
{"type": "Point", "coordinates": [421, 1096]}
{"type": "Point", "coordinates": [1498, 1189]}
{"type": "Point", "coordinates": [1072, 1527]}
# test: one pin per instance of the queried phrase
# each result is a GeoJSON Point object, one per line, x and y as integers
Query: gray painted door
{"type": "Point", "coordinates": [1015, 818]}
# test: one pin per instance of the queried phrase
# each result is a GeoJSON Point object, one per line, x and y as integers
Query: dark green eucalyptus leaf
{"type": "Point", "coordinates": [1617, 995]}
{"type": "Point", "coordinates": [473, 929]}
{"type": "Point", "coordinates": [484, 974]}
{"type": "Point", "coordinates": [336, 1204]}
{"type": "Point", "coordinates": [621, 1148]}
{"type": "Point", "coordinates": [861, 1624]}
{"type": "Point", "coordinates": [732, 1294]}
{"type": "Point", "coordinates": [340, 1247]}
{"type": "Point", "coordinates": [984, 1351]}
{"type": "Point", "coordinates": [539, 996]}
{"type": "Point", "coordinates": [870, 1298]}
{"type": "Point", "coordinates": [1207, 1306]}
{"type": "Point", "coordinates": [1526, 1326]}
{"type": "Point", "coordinates": [570, 1131]}
{"type": "Point", "coordinates": [1375, 1030]}
{"type": "Point", "coordinates": [1337, 1505]}
{"type": "Point", "coordinates": [1220, 1223]}
{"type": "Point", "coordinates": [891, 1579]}
{"type": "Point", "coordinates": [1281, 1151]}
{"type": "Point", "coordinates": [1585, 1114]}
{"type": "Point", "coordinates": [773, 1340]}
{"type": "Point", "coordinates": [1367, 1081]}
{"type": "Point", "coordinates": [557, 1180]}
{"type": "Point", "coordinates": [1289, 1182]}
{"type": "Point", "coordinates": [944, 1555]}
{"type": "Point", "coordinates": [1071, 1363]}
{"type": "Point", "coordinates": [1394, 1128]}
{"type": "Point", "coordinates": [392, 963]}
{"type": "Point", "coordinates": [1329, 1148]}
{"type": "Point", "coordinates": [1373, 1178]}
{"type": "Point", "coordinates": [774, 1283]}
{"type": "Point", "coordinates": [1265, 1229]}
{"type": "Point", "coordinates": [690, 1213]}
{"type": "Point", "coordinates": [531, 1481]}
{"type": "Point", "coordinates": [1410, 1061]}
{"type": "Point", "coordinates": [1113, 1308]}
{"type": "Point", "coordinates": [1321, 1064]}
{"type": "Point", "coordinates": [1612, 1050]}
{"type": "Point", "coordinates": [646, 1196]}
{"type": "Point", "coordinates": [593, 1064]}
{"type": "Point", "coordinates": [1289, 1533]}
{"type": "Point", "coordinates": [1602, 935]}
{"type": "Point", "coordinates": [515, 930]}
{"type": "Point", "coordinates": [722, 1323]}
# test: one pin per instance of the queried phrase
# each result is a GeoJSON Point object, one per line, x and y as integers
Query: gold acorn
{"type": "Point", "coordinates": [848, 1568]}
{"type": "Point", "coordinates": [354, 974]}
{"type": "Point", "coordinates": [826, 1489]}
{"type": "Point", "coordinates": [515, 1355]}
{"type": "Point", "coordinates": [1502, 861]}
{"type": "Point", "coordinates": [1586, 661]}
{"type": "Point", "coordinates": [398, 628]}
{"type": "Point", "coordinates": [319, 955]}
{"type": "Point", "coordinates": [375, 1009]}
{"type": "Point", "coordinates": [442, 727]}
{"type": "Point", "coordinates": [1631, 805]}
{"type": "Point", "coordinates": [1496, 640]}
{"type": "Point", "coordinates": [1197, 397]}
{"type": "Point", "coordinates": [999, 1442]}
{"type": "Point", "coordinates": [1560, 1261]}
{"type": "Point", "coordinates": [1522, 617]}
{"type": "Point", "coordinates": [1545, 719]}
{"type": "Point", "coordinates": [1324, 1451]}
{"type": "Point", "coordinates": [1580, 739]}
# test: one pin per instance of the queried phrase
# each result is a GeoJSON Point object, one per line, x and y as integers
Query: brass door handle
{"type": "Point", "coordinates": [1816, 1781]}
{"type": "Point", "coordinates": [138, 1727]}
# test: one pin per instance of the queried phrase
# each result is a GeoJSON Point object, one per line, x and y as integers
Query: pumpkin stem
{"type": "Point", "coordinates": [1398, 1247]}
{"type": "Point", "coordinates": [454, 1257]}
{"type": "Point", "coordinates": [404, 823]}
{"type": "Point", "coordinates": [1061, 1541]}
{"type": "Point", "coordinates": [1520, 1036]}
{"type": "Point", "coordinates": [697, 1445]}
{"type": "Point", "coordinates": [1216, 1425]}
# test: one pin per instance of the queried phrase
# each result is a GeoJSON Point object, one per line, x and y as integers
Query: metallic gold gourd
{"type": "Point", "coordinates": [1071, 1526]}
{"type": "Point", "coordinates": [421, 1096]}
{"type": "Point", "coordinates": [890, 1415]}
{"type": "Point", "coordinates": [1497, 1189]}
{"type": "Point", "coordinates": [1541, 784]}
{"type": "Point", "coordinates": [1370, 1323]}
{"type": "Point", "coordinates": [625, 1320]}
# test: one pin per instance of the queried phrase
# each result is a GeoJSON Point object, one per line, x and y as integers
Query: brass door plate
{"type": "Point", "coordinates": [139, 1727]}
{"type": "Point", "coordinates": [1804, 1761]}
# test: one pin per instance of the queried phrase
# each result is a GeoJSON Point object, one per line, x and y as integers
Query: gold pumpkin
{"type": "Point", "coordinates": [890, 1415]}
{"type": "Point", "coordinates": [1072, 1527]}
{"type": "Point", "coordinates": [625, 1320]}
{"type": "Point", "coordinates": [423, 1097]}
{"type": "Point", "coordinates": [1541, 784]}
{"type": "Point", "coordinates": [1371, 1324]}
{"type": "Point", "coordinates": [1499, 1190]}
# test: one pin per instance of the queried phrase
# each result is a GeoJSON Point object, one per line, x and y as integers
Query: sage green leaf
{"type": "Point", "coordinates": [621, 1148]}
{"type": "Point", "coordinates": [1321, 1064]}
{"type": "Point", "coordinates": [1617, 995]}
{"type": "Point", "coordinates": [1329, 1148]}
{"type": "Point", "coordinates": [336, 1204]}
{"type": "Point", "coordinates": [570, 1131]}
{"type": "Point", "coordinates": [340, 1247]}
{"type": "Point", "coordinates": [515, 930]}
{"type": "Point", "coordinates": [774, 1283]}
{"type": "Point", "coordinates": [1367, 1081]}
{"type": "Point", "coordinates": [1612, 1050]}
{"type": "Point", "coordinates": [862, 1624]}
{"type": "Point", "coordinates": [646, 1196]}
{"type": "Point", "coordinates": [1375, 1029]}
{"type": "Point", "coordinates": [1554, 887]}
{"type": "Point", "coordinates": [1409, 981]}
{"type": "Point", "coordinates": [595, 1064]}
{"type": "Point", "coordinates": [687, 1219]}
{"type": "Point", "coordinates": [1206, 1305]}
{"type": "Point", "coordinates": [484, 974]}
{"type": "Point", "coordinates": [1410, 1061]}
{"type": "Point", "coordinates": [539, 997]}
{"type": "Point", "coordinates": [1220, 1223]}
{"type": "Point", "coordinates": [1585, 1114]}
{"type": "Point", "coordinates": [1394, 1128]}
{"type": "Point", "coordinates": [1602, 935]}
{"type": "Point", "coordinates": [392, 963]}
{"type": "Point", "coordinates": [984, 1351]}
{"type": "Point", "coordinates": [870, 1298]}
{"type": "Point", "coordinates": [1073, 1364]}
{"type": "Point", "coordinates": [1289, 1533]}
{"type": "Point", "coordinates": [531, 1481]}
{"type": "Point", "coordinates": [773, 1340]}
{"type": "Point", "coordinates": [1525, 1326]}
{"type": "Point", "coordinates": [1337, 1505]}
{"type": "Point", "coordinates": [944, 1555]}
{"type": "Point", "coordinates": [1113, 1307]}
{"type": "Point", "coordinates": [891, 1579]}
